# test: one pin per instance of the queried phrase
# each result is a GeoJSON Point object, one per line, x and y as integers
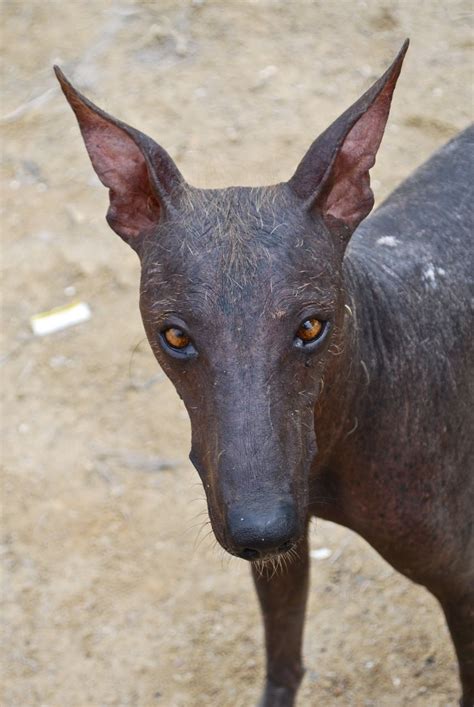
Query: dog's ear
{"type": "Point", "coordinates": [141, 176]}
{"type": "Point", "coordinates": [333, 176]}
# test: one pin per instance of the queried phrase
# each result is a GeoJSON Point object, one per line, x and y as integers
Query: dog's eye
{"type": "Point", "coordinates": [310, 330]}
{"type": "Point", "coordinates": [176, 338]}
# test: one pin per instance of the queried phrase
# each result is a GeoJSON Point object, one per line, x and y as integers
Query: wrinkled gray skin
{"type": "Point", "coordinates": [371, 425]}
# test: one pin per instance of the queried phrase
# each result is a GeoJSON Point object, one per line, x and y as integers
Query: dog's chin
{"type": "Point", "coordinates": [271, 559]}
{"type": "Point", "coordinates": [275, 563]}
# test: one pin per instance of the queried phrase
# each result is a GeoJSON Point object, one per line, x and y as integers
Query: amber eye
{"type": "Point", "coordinates": [176, 338]}
{"type": "Point", "coordinates": [309, 330]}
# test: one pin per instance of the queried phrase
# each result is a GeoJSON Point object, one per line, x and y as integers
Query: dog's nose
{"type": "Point", "coordinates": [257, 532]}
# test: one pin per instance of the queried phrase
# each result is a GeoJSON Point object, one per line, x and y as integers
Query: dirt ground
{"type": "Point", "coordinates": [113, 594]}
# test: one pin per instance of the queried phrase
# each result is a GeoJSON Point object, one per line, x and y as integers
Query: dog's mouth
{"type": "Point", "coordinates": [252, 555]}
{"type": "Point", "coordinates": [276, 562]}
{"type": "Point", "coordinates": [271, 559]}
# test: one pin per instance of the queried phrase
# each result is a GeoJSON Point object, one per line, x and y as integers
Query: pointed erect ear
{"type": "Point", "coordinates": [333, 177]}
{"type": "Point", "coordinates": [140, 175]}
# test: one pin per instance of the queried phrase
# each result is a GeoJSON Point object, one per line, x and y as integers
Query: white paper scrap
{"type": "Point", "coordinates": [60, 318]}
{"type": "Point", "coordinates": [322, 553]}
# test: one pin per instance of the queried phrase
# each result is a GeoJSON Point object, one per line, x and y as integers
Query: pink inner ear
{"type": "Point", "coordinates": [348, 196]}
{"type": "Point", "coordinates": [120, 165]}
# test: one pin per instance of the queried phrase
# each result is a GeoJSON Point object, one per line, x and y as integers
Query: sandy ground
{"type": "Point", "coordinates": [109, 598]}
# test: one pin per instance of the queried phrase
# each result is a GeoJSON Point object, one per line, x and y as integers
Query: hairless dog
{"type": "Point", "coordinates": [325, 363]}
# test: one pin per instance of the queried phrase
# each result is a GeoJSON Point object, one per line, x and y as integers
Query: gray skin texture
{"type": "Point", "coordinates": [370, 425]}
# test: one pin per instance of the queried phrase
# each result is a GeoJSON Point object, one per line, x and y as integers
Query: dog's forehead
{"type": "Point", "coordinates": [239, 230]}
{"type": "Point", "coordinates": [240, 216]}
{"type": "Point", "coordinates": [238, 245]}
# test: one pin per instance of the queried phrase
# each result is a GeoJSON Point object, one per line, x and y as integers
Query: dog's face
{"type": "Point", "coordinates": [241, 296]}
